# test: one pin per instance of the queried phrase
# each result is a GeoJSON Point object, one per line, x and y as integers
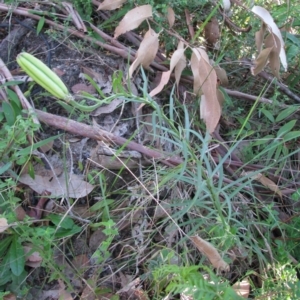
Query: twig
{"type": "Point", "coordinates": [100, 134]}
{"type": "Point", "coordinates": [253, 97]}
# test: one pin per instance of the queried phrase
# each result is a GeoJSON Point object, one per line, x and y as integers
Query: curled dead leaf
{"type": "Point", "coordinates": [265, 16]}
{"type": "Point", "coordinates": [261, 61]}
{"type": "Point", "coordinates": [175, 59]}
{"type": "Point", "coordinates": [259, 37]}
{"type": "Point", "coordinates": [211, 253]}
{"type": "Point", "coordinates": [146, 52]}
{"type": "Point", "coordinates": [133, 19]}
{"type": "Point", "coordinates": [205, 84]}
{"type": "Point", "coordinates": [273, 42]}
{"type": "Point", "coordinates": [181, 64]}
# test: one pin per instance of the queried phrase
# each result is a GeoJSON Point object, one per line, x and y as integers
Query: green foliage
{"type": "Point", "coordinates": [85, 8]}
{"type": "Point", "coordinates": [173, 279]}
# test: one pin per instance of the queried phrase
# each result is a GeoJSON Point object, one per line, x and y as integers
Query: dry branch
{"type": "Point", "coordinates": [102, 135]}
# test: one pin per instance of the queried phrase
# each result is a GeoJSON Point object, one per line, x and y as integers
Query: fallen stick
{"type": "Point", "coordinates": [102, 135]}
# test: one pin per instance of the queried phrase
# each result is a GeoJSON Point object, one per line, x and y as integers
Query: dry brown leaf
{"type": "Point", "coordinates": [242, 288]}
{"type": "Point", "coordinates": [261, 61]}
{"type": "Point", "coordinates": [259, 37]}
{"type": "Point", "coordinates": [106, 109]}
{"type": "Point", "coordinates": [10, 297]}
{"type": "Point", "coordinates": [180, 66]}
{"type": "Point", "coordinates": [265, 16]}
{"type": "Point", "coordinates": [146, 52]}
{"type": "Point", "coordinates": [83, 87]}
{"type": "Point", "coordinates": [221, 97]}
{"type": "Point", "coordinates": [274, 60]}
{"type": "Point", "coordinates": [205, 83]}
{"type": "Point", "coordinates": [221, 75]}
{"type": "Point", "coordinates": [110, 4]}
{"type": "Point", "coordinates": [76, 187]}
{"type": "Point", "coordinates": [20, 213]}
{"type": "Point", "coordinates": [133, 19]}
{"type": "Point", "coordinates": [212, 31]}
{"type": "Point", "coordinates": [211, 253]}
{"type": "Point", "coordinates": [3, 224]}
{"type": "Point", "coordinates": [177, 55]}
{"type": "Point", "coordinates": [34, 260]}
{"type": "Point", "coordinates": [171, 16]}
{"type": "Point", "coordinates": [268, 183]}
{"type": "Point", "coordinates": [63, 294]}
{"type": "Point", "coordinates": [265, 181]}
{"type": "Point", "coordinates": [164, 80]}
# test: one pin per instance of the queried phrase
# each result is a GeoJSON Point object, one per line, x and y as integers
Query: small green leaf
{"type": "Point", "coordinates": [286, 128]}
{"type": "Point", "coordinates": [5, 167]}
{"type": "Point", "coordinates": [291, 135]}
{"type": "Point", "coordinates": [12, 82]}
{"type": "Point", "coordinates": [16, 257]}
{"type": "Point", "coordinates": [285, 113]}
{"type": "Point", "coordinates": [66, 223]}
{"type": "Point", "coordinates": [30, 170]}
{"type": "Point", "coordinates": [268, 114]}
{"type": "Point", "coordinates": [9, 113]}
{"type": "Point", "coordinates": [29, 149]}
{"type": "Point", "coordinates": [101, 204]}
{"type": "Point", "coordinates": [4, 245]}
{"type": "Point", "coordinates": [40, 25]}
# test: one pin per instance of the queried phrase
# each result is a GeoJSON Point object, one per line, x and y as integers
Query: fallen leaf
{"type": "Point", "coordinates": [76, 187]}
{"type": "Point", "coordinates": [63, 294]}
{"type": "Point", "coordinates": [106, 109]}
{"type": "Point", "coordinates": [171, 16]}
{"type": "Point", "coordinates": [211, 253]}
{"type": "Point", "coordinates": [34, 260]}
{"type": "Point", "coordinates": [3, 224]}
{"type": "Point", "coordinates": [261, 61]}
{"type": "Point", "coordinates": [205, 84]}
{"type": "Point", "coordinates": [82, 87]}
{"type": "Point", "coordinates": [146, 52]}
{"type": "Point", "coordinates": [20, 213]}
{"type": "Point", "coordinates": [110, 4]}
{"type": "Point", "coordinates": [80, 262]}
{"type": "Point", "coordinates": [133, 19]}
{"type": "Point", "coordinates": [242, 288]}
{"type": "Point", "coordinates": [265, 16]}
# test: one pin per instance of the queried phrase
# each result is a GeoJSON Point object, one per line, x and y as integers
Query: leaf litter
{"type": "Point", "coordinates": [63, 183]}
